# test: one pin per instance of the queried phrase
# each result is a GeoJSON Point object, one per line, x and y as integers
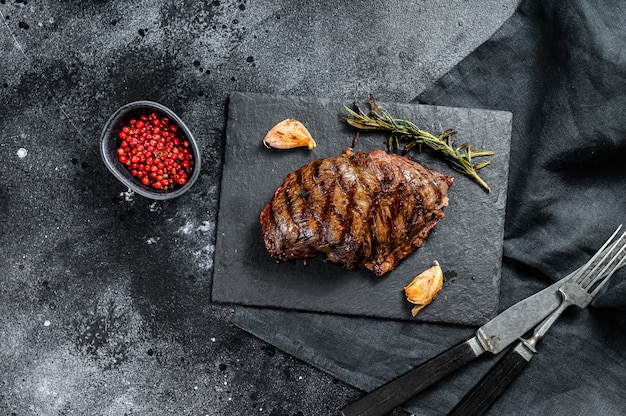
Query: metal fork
{"type": "Point", "coordinates": [579, 291]}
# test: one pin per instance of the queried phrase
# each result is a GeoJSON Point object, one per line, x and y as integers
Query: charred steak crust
{"type": "Point", "coordinates": [359, 209]}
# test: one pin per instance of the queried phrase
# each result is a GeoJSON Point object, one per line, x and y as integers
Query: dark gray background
{"type": "Point", "coordinates": [104, 295]}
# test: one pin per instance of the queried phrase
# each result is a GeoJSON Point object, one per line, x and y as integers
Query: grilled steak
{"type": "Point", "coordinates": [359, 209]}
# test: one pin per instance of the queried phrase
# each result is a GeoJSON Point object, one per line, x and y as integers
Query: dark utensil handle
{"type": "Point", "coordinates": [391, 395]}
{"type": "Point", "coordinates": [494, 383]}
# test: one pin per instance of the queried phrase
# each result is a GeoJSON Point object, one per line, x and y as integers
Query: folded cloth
{"type": "Point", "coordinates": [560, 67]}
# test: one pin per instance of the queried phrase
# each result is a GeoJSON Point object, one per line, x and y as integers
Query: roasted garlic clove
{"type": "Point", "coordinates": [424, 288]}
{"type": "Point", "coordinates": [289, 134]}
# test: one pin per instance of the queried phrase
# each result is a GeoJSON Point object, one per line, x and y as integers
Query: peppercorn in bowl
{"type": "Point", "coordinates": [149, 149]}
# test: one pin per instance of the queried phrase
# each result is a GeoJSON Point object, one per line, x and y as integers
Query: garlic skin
{"type": "Point", "coordinates": [289, 134]}
{"type": "Point", "coordinates": [424, 288]}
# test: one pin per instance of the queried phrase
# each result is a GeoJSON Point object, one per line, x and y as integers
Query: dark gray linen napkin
{"type": "Point", "coordinates": [560, 68]}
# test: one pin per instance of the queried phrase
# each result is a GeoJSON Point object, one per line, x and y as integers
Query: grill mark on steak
{"type": "Point", "coordinates": [295, 210]}
{"type": "Point", "coordinates": [343, 202]}
{"type": "Point", "coordinates": [359, 209]}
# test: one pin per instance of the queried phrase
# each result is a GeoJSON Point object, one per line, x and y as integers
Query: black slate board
{"type": "Point", "coordinates": [467, 242]}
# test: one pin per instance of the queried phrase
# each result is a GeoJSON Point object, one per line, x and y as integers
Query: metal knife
{"type": "Point", "coordinates": [492, 337]}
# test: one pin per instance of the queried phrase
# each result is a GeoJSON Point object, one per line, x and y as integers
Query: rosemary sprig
{"type": "Point", "coordinates": [378, 119]}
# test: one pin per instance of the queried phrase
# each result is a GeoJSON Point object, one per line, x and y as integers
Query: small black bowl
{"type": "Point", "coordinates": [109, 143]}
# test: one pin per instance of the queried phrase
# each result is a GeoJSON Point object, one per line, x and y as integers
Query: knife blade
{"type": "Point", "coordinates": [492, 337]}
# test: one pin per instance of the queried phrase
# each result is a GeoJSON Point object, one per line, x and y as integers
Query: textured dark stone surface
{"type": "Point", "coordinates": [104, 295]}
{"type": "Point", "coordinates": [467, 242]}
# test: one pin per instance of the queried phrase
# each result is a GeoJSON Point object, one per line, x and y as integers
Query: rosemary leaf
{"type": "Point", "coordinates": [481, 165]}
{"type": "Point", "coordinates": [404, 131]}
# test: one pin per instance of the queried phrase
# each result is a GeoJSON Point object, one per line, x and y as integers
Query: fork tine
{"type": "Point", "coordinates": [605, 267]}
{"type": "Point", "coordinates": [615, 267]}
{"type": "Point", "coordinates": [587, 277]}
{"type": "Point", "coordinates": [584, 271]}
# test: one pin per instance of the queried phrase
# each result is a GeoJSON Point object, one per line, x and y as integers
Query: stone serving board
{"type": "Point", "coordinates": [467, 242]}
